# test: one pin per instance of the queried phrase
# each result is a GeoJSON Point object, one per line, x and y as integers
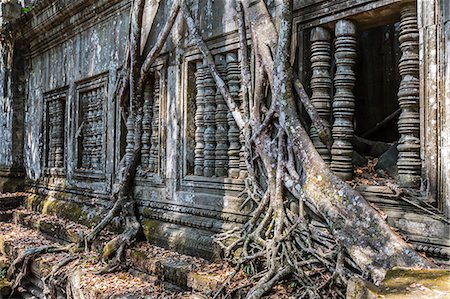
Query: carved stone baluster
{"type": "Point", "coordinates": [146, 126]}
{"type": "Point", "coordinates": [93, 122]}
{"type": "Point", "coordinates": [59, 132]}
{"type": "Point", "coordinates": [233, 77]}
{"type": "Point", "coordinates": [344, 101]}
{"type": "Point", "coordinates": [154, 152]}
{"type": "Point", "coordinates": [199, 123]}
{"type": "Point", "coordinates": [87, 130]}
{"type": "Point", "coordinates": [221, 169]}
{"type": "Point", "coordinates": [209, 119]}
{"type": "Point", "coordinates": [321, 83]}
{"type": "Point", "coordinates": [409, 162]}
{"type": "Point", "coordinates": [95, 129]}
{"type": "Point", "coordinates": [130, 139]}
{"type": "Point", "coordinates": [99, 126]}
{"type": "Point", "coordinates": [51, 133]}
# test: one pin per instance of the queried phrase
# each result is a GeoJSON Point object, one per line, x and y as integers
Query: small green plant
{"type": "Point", "coordinates": [26, 9]}
{"type": "Point", "coordinates": [3, 272]}
{"type": "Point", "coordinates": [248, 269]}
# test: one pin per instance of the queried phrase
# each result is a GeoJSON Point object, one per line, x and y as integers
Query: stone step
{"type": "Point", "coordinates": [55, 228]}
{"type": "Point", "coordinates": [9, 202]}
{"type": "Point", "coordinates": [184, 271]}
{"type": "Point", "coordinates": [15, 238]}
{"type": "Point", "coordinates": [169, 270]}
{"type": "Point", "coordinates": [403, 283]}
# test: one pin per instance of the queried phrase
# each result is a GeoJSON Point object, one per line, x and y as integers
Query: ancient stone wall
{"type": "Point", "coordinates": [192, 170]}
{"type": "Point", "coordinates": [11, 102]}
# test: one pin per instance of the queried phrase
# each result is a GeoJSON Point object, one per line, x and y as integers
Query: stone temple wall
{"type": "Point", "coordinates": [70, 136]}
{"type": "Point", "coordinates": [76, 137]}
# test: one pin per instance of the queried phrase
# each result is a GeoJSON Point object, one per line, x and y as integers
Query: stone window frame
{"type": "Point", "coordinates": [55, 94]}
{"type": "Point", "coordinates": [187, 181]}
{"type": "Point", "coordinates": [307, 17]}
{"type": "Point", "coordinates": [86, 84]}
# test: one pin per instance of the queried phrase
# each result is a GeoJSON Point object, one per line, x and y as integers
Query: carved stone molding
{"type": "Point", "coordinates": [344, 100]}
{"type": "Point", "coordinates": [146, 126]}
{"type": "Point", "coordinates": [321, 83]}
{"type": "Point", "coordinates": [409, 162]}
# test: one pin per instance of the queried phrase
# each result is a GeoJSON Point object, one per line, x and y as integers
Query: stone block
{"type": "Point", "coordinates": [5, 288]}
{"type": "Point", "coordinates": [185, 240]}
{"type": "Point", "coordinates": [9, 11]}
{"type": "Point", "coordinates": [387, 163]}
{"type": "Point", "coordinates": [404, 283]}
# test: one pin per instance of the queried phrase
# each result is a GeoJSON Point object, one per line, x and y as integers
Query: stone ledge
{"type": "Point", "coordinates": [10, 201]}
{"type": "Point", "coordinates": [188, 272]}
{"type": "Point", "coordinates": [403, 283]}
{"type": "Point", "coordinates": [60, 205]}
{"type": "Point", "coordinates": [53, 227]}
{"type": "Point", "coordinates": [159, 274]}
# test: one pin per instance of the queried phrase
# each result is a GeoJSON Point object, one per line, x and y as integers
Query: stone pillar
{"type": "Point", "coordinates": [233, 77]}
{"type": "Point", "coordinates": [321, 83]}
{"type": "Point", "coordinates": [146, 126]}
{"type": "Point", "coordinates": [130, 140]}
{"type": "Point", "coordinates": [154, 148]}
{"type": "Point", "coordinates": [444, 175]}
{"type": "Point", "coordinates": [199, 123]}
{"type": "Point", "coordinates": [209, 119]}
{"type": "Point", "coordinates": [221, 169]}
{"type": "Point", "coordinates": [58, 132]}
{"type": "Point", "coordinates": [409, 162]}
{"type": "Point", "coordinates": [344, 101]}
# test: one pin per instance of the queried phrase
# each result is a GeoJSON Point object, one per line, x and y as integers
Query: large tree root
{"type": "Point", "coordinates": [52, 281]}
{"type": "Point", "coordinates": [308, 226]}
{"type": "Point", "coordinates": [300, 229]}
{"type": "Point", "coordinates": [20, 267]}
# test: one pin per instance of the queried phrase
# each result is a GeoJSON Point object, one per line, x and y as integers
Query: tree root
{"type": "Point", "coordinates": [51, 281]}
{"type": "Point", "coordinates": [21, 265]}
{"type": "Point", "coordinates": [308, 225]}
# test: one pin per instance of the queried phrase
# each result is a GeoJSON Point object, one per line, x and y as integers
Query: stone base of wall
{"type": "Point", "coordinates": [86, 211]}
{"type": "Point", "coordinates": [11, 179]}
{"type": "Point", "coordinates": [185, 240]}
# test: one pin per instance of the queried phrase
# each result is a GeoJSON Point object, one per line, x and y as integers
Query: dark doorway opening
{"type": "Point", "coordinates": [377, 82]}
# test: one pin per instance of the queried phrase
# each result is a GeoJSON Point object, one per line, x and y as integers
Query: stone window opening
{"type": "Point", "coordinates": [365, 83]}
{"type": "Point", "coordinates": [152, 133]}
{"type": "Point", "coordinates": [213, 143]}
{"type": "Point", "coordinates": [54, 132]}
{"type": "Point", "coordinates": [90, 131]}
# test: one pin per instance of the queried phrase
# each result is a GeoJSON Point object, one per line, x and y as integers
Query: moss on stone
{"type": "Point", "coordinates": [60, 206]}
{"type": "Point", "coordinates": [202, 282]}
{"type": "Point", "coordinates": [403, 283]}
{"type": "Point", "coordinates": [5, 288]}
{"type": "Point", "coordinates": [418, 283]}
{"type": "Point", "coordinates": [34, 202]}
{"type": "Point", "coordinates": [149, 227]}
